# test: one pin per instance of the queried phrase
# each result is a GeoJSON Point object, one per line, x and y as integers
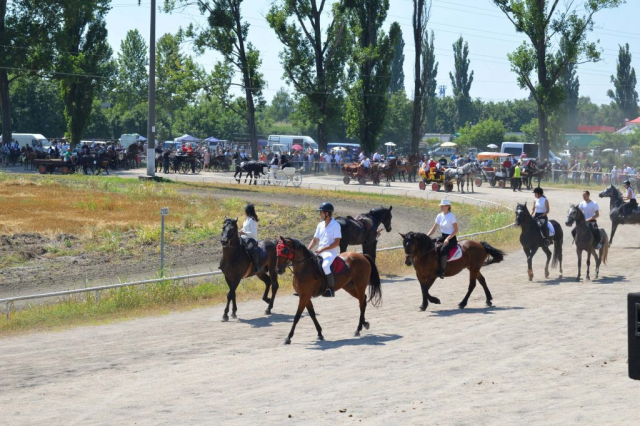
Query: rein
{"type": "Point", "coordinates": [238, 251]}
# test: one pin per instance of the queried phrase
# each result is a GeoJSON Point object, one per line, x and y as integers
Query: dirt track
{"type": "Point", "coordinates": [549, 352]}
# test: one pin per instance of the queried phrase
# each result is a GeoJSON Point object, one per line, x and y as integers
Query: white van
{"type": "Point", "coordinates": [531, 149]}
{"type": "Point", "coordinates": [36, 140]}
{"type": "Point", "coordinates": [126, 140]}
{"type": "Point", "coordinates": [288, 141]}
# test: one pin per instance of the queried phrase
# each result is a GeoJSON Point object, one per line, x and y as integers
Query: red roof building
{"type": "Point", "coordinates": [596, 129]}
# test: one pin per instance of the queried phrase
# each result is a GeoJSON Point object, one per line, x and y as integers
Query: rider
{"type": "Point", "coordinates": [327, 236]}
{"type": "Point", "coordinates": [627, 208]}
{"type": "Point", "coordinates": [249, 235]}
{"type": "Point", "coordinates": [449, 228]}
{"type": "Point", "coordinates": [366, 163]}
{"type": "Point", "coordinates": [591, 214]}
{"type": "Point", "coordinates": [540, 212]}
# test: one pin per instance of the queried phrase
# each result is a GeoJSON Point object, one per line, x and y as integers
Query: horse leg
{"type": "Point", "coordinates": [426, 297]}
{"type": "Point", "coordinates": [362, 298]}
{"type": "Point", "coordinates": [487, 293]}
{"type": "Point", "coordinates": [312, 314]}
{"type": "Point", "coordinates": [546, 266]}
{"type": "Point", "coordinates": [274, 288]}
{"type": "Point", "coordinates": [301, 305]}
{"type": "Point", "coordinates": [614, 226]}
{"type": "Point", "coordinates": [472, 284]}
{"type": "Point", "coordinates": [588, 264]}
{"type": "Point", "coordinates": [579, 262]}
{"type": "Point", "coordinates": [598, 259]}
{"type": "Point", "coordinates": [230, 296]}
{"type": "Point", "coordinates": [530, 253]}
{"type": "Point", "coordinates": [265, 296]}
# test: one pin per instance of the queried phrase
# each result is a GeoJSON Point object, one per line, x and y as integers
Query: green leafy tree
{"type": "Point", "coordinates": [555, 130]}
{"type": "Point", "coordinates": [445, 112]}
{"type": "Point", "coordinates": [397, 122]}
{"type": "Point", "coordinates": [420, 19]}
{"type": "Point", "coordinates": [84, 60]}
{"type": "Point", "coordinates": [429, 83]}
{"type": "Point", "coordinates": [227, 34]}
{"type": "Point", "coordinates": [178, 80]}
{"type": "Point", "coordinates": [132, 79]}
{"type": "Point", "coordinates": [539, 21]}
{"type": "Point", "coordinates": [461, 81]}
{"type": "Point", "coordinates": [209, 118]}
{"type": "Point", "coordinates": [625, 95]}
{"type": "Point", "coordinates": [371, 63]}
{"type": "Point", "coordinates": [397, 65]}
{"type": "Point", "coordinates": [281, 107]}
{"type": "Point", "coordinates": [37, 107]}
{"type": "Point", "coordinates": [482, 134]}
{"type": "Point", "coordinates": [25, 46]}
{"type": "Point", "coordinates": [571, 84]}
{"type": "Point", "coordinates": [313, 63]}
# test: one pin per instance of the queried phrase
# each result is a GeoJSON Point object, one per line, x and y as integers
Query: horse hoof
{"type": "Point", "coordinates": [489, 303]}
{"type": "Point", "coordinates": [357, 334]}
{"type": "Point", "coordinates": [233, 315]}
{"type": "Point", "coordinates": [267, 311]}
{"type": "Point", "coordinates": [366, 325]}
{"type": "Point", "coordinates": [462, 305]}
{"type": "Point", "coordinates": [436, 301]}
{"type": "Point", "coordinates": [225, 318]}
{"type": "Point", "coordinates": [320, 337]}
{"type": "Point", "coordinates": [287, 341]}
{"type": "Point", "coordinates": [546, 274]}
{"type": "Point", "coordinates": [423, 308]}
{"type": "Point", "coordinates": [578, 279]}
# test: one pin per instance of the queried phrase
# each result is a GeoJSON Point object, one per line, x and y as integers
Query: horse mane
{"type": "Point", "coordinates": [378, 213]}
{"type": "Point", "coordinates": [422, 240]}
{"type": "Point", "coordinates": [298, 245]}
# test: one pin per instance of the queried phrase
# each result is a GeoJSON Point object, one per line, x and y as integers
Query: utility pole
{"type": "Point", "coordinates": [151, 121]}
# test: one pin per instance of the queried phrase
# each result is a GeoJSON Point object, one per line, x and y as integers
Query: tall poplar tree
{"type": "Point", "coordinates": [570, 82]}
{"type": "Point", "coordinates": [421, 13]}
{"type": "Point", "coordinates": [461, 82]}
{"type": "Point", "coordinates": [625, 95]}
{"type": "Point", "coordinates": [397, 65]}
{"type": "Point", "coordinates": [429, 83]}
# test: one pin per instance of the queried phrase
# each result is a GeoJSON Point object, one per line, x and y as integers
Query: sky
{"type": "Point", "coordinates": [489, 33]}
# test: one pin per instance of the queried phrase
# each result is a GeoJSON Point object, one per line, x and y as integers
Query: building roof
{"type": "Point", "coordinates": [636, 121]}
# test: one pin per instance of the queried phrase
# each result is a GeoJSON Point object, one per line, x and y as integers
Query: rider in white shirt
{"type": "Point", "coordinates": [376, 157]}
{"type": "Point", "coordinates": [627, 208]}
{"type": "Point", "coordinates": [361, 156]}
{"type": "Point", "coordinates": [449, 228]}
{"type": "Point", "coordinates": [539, 212]}
{"type": "Point", "coordinates": [591, 214]}
{"type": "Point", "coordinates": [249, 235]}
{"type": "Point", "coordinates": [327, 236]}
{"type": "Point", "coordinates": [366, 163]}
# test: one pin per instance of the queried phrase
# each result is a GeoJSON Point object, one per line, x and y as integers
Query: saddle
{"type": "Point", "coordinates": [338, 267]}
{"type": "Point", "coordinates": [455, 253]}
{"type": "Point", "coordinates": [366, 222]}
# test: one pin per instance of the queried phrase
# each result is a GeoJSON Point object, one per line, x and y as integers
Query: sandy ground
{"type": "Point", "coordinates": [548, 352]}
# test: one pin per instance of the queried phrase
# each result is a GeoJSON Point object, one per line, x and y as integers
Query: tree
{"type": "Point", "coordinates": [132, 79]}
{"type": "Point", "coordinates": [420, 19]}
{"type": "Point", "coordinates": [540, 21]}
{"type": "Point", "coordinates": [571, 84]}
{"type": "Point", "coordinates": [178, 80]}
{"type": "Point", "coordinates": [397, 64]}
{"type": "Point", "coordinates": [84, 65]}
{"type": "Point", "coordinates": [371, 62]}
{"type": "Point", "coordinates": [281, 107]}
{"type": "Point", "coordinates": [625, 95]}
{"type": "Point", "coordinates": [227, 34]}
{"type": "Point", "coordinates": [482, 134]}
{"type": "Point", "coordinates": [37, 107]}
{"type": "Point", "coordinates": [25, 43]}
{"type": "Point", "coordinates": [313, 63]}
{"type": "Point", "coordinates": [461, 81]}
{"type": "Point", "coordinates": [429, 83]}
{"type": "Point", "coordinates": [397, 122]}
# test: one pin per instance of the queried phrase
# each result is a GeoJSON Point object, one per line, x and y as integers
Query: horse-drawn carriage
{"type": "Point", "coordinates": [435, 178]}
{"type": "Point", "coordinates": [446, 177]}
{"type": "Point", "coordinates": [495, 174]}
{"type": "Point", "coordinates": [220, 163]}
{"type": "Point", "coordinates": [283, 177]}
{"type": "Point", "coordinates": [47, 165]}
{"type": "Point", "coordinates": [357, 172]}
{"type": "Point", "coordinates": [183, 163]}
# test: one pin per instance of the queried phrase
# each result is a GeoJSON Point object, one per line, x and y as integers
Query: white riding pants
{"type": "Point", "coordinates": [327, 259]}
{"type": "Point", "coordinates": [272, 172]}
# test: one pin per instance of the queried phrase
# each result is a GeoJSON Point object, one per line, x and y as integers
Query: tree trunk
{"type": "Point", "coordinates": [251, 123]}
{"type": "Point", "coordinates": [543, 136]}
{"type": "Point", "coordinates": [322, 142]}
{"type": "Point", "coordinates": [418, 90]}
{"type": "Point", "coordinates": [6, 105]}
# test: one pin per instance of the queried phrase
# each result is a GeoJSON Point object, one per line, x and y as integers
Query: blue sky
{"type": "Point", "coordinates": [489, 34]}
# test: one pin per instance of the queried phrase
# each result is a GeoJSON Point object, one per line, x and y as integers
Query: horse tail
{"type": "Point", "coordinates": [557, 244]}
{"type": "Point", "coordinates": [605, 246]}
{"type": "Point", "coordinates": [375, 286]}
{"type": "Point", "coordinates": [496, 256]}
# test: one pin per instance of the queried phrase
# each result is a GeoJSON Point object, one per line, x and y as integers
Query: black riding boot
{"type": "Point", "coordinates": [443, 265]}
{"type": "Point", "coordinates": [254, 253]}
{"type": "Point", "coordinates": [330, 292]}
{"type": "Point", "coordinates": [596, 237]}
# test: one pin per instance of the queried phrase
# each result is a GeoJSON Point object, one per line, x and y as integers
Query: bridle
{"type": "Point", "coordinates": [284, 251]}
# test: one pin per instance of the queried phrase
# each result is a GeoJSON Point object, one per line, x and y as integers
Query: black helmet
{"type": "Point", "coordinates": [626, 182]}
{"type": "Point", "coordinates": [538, 190]}
{"type": "Point", "coordinates": [326, 207]}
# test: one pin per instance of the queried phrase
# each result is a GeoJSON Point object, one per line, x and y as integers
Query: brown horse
{"type": "Point", "coordinates": [421, 252]}
{"type": "Point", "coordinates": [236, 265]}
{"type": "Point", "coordinates": [308, 280]}
{"type": "Point", "coordinates": [408, 167]}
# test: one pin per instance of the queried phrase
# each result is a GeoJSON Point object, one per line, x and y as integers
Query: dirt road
{"type": "Point", "coordinates": [549, 352]}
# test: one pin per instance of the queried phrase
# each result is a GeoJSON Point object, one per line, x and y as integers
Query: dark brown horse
{"type": "Point", "coordinates": [236, 265]}
{"type": "Point", "coordinates": [308, 280]}
{"type": "Point", "coordinates": [421, 252]}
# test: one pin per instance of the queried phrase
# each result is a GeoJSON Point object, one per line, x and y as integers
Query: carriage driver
{"type": "Point", "coordinates": [327, 236]}
{"type": "Point", "coordinates": [540, 212]}
{"type": "Point", "coordinates": [449, 228]}
{"type": "Point", "coordinates": [591, 214]}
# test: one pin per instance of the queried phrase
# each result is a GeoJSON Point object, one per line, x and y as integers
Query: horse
{"type": "Point", "coordinates": [252, 168]}
{"type": "Point", "coordinates": [531, 240]}
{"type": "Point", "coordinates": [421, 252]}
{"type": "Point", "coordinates": [532, 171]}
{"type": "Point", "coordinates": [364, 229]}
{"type": "Point", "coordinates": [460, 174]}
{"type": "Point", "coordinates": [308, 280]}
{"type": "Point", "coordinates": [236, 265]}
{"type": "Point", "coordinates": [408, 168]}
{"type": "Point", "coordinates": [388, 170]}
{"type": "Point", "coordinates": [585, 242]}
{"type": "Point", "coordinates": [614, 210]}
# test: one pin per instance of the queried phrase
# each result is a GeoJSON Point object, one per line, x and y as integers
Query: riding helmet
{"type": "Point", "coordinates": [538, 190]}
{"type": "Point", "coordinates": [627, 182]}
{"type": "Point", "coordinates": [326, 207]}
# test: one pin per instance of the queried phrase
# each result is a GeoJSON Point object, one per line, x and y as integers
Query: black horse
{"type": "Point", "coordinates": [364, 229]}
{"type": "Point", "coordinates": [532, 171]}
{"type": "Point", "coordinates": [236, 265]}
{"type": "Point", "coordinates": [532, 240]}
{"type": "Point", "coordinates": [614, 210]}
{"type": "Point", "coordinates": [586, 242]}
{"type": "Point", "coordinates": [252, 168]}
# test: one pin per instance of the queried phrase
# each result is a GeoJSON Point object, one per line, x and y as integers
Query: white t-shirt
{"type": "Point", "coordinates": [630, 194]}
{"type": "Point", "coordinates": [589, 209]}
{"type": "Point", "coordinates": [446, 222]}
{"type": "Point", "coordinates": [365, 163]}
{"type": "Point", "coordinates": [327, 234]}
{"type": "Point", "coordinates": [540, 205]}
{"type": "Point", "coordinates": [250, 228]}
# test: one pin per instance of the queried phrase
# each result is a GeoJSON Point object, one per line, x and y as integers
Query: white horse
{"type": "Point", "coordinates": [462, 174]}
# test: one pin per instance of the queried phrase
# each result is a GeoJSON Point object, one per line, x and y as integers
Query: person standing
{"type": "Point", "coordinates": [449, 228]}
{"type": "Point", "coordinates": [516, 180]}
{"type": "Point", "coordinates": [327, 237]}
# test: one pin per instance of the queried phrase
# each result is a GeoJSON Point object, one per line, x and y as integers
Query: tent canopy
{"type": "Point", "coordinates": [448, 144]}
{"type": "Point", "coordinates": [262, 142]}
{"type": "Point", "coordinates": [492, 155]}
{"type": "Point", "coordinates": [186, 138]}
{"type": "Point", "coordinates": [389, 144]}
{"type": "Point", "coordinates": [141, 138]}
{"type": "Point", "coordinates": [211, 139]}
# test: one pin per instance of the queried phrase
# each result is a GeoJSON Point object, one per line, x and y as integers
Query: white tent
{"type": "Point", "coordinates": [186, 138]}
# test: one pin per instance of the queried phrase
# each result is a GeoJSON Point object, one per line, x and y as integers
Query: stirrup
{"type": "Point", "coordinates": [441, 274]}
{"type": "Point", "coordinates": [329, 293]}
{"type": "Point", "coordinates": [547, 242]}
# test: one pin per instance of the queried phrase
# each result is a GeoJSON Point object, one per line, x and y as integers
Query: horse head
{"type": "Point", "coordinates": [521, 210]}
{"type": "Point", "coordinates": [573, 215]}
{"type": "Point", "coordinates": [229, 231]}
{"type": "Point", "coordinates": [413, 243]}
{"type": "Point", "coordinates": [383, 216]}
{"type": "Point", "coordinates": [610, 192]}
{"type": "Point", "coordinates": [287, 251]}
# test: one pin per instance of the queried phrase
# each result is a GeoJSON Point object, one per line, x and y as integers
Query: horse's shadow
{"type": "Point", "coordinates": [366, 340]}
{"type": "Point", "coordinates": [558, 281]}
{"type": "Point", "coordinates": [267, 321]}
{"type": "Point", "coordinates": [488, 310]}
{"type": "Point", "coordinates": [611, 279]}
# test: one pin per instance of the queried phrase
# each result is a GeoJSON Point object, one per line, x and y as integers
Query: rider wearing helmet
{"type": "Point", "coordinates": [540, 212]}
{"type": "Point", "coordinates": [327, 236]}
{"type": "Point", "coordinates": [591, 214]}
{"type": "Point", "coordinates": [627, 208]}
{"type": "Point", "coordinates": [449, 228]}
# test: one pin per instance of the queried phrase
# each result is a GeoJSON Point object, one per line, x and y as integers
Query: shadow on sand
{"type": "Point", "coordinates": [488, 310]}
{"type": "Point", "coordinates": [365, 340]}
{"type": "Point", "coordinates": [267, 321]}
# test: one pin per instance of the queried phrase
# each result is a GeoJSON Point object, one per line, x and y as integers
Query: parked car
{"type": "Point", "coordinates": [447, 152]}
{"type": "Point", "coordinates": [565, 154]}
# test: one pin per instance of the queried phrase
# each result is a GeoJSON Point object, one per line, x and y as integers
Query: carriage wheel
{"type": "Point", "coordinates": [362, 181]}
{"type": "Point", "coordinates": [64, 170]}
{"type": "Point", "coordinates": [478, 182]}
{"type": "Point", "coordinates": [492, 182]}
{"type": "Point", "coordinates": [435, 186]}
{"type": "Point", "coordinates": [422, 185]}
{"type": "Point", "coordinates": [346, 180]}
{"type": "Point", "coordinates": [198, 167]}
{"type": "Point", "coordinates": [184, 167]}
{"type": "Point", "coordinates": [281, 178]}
{"type": "Point", "coordinates": [449, 187]}
{"type": "Point", "coordinates": [500, 184]}
{"type": "Point", "coordinates": [42, 169]}
{"type": "Point", "coordinates": [297, 180]}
